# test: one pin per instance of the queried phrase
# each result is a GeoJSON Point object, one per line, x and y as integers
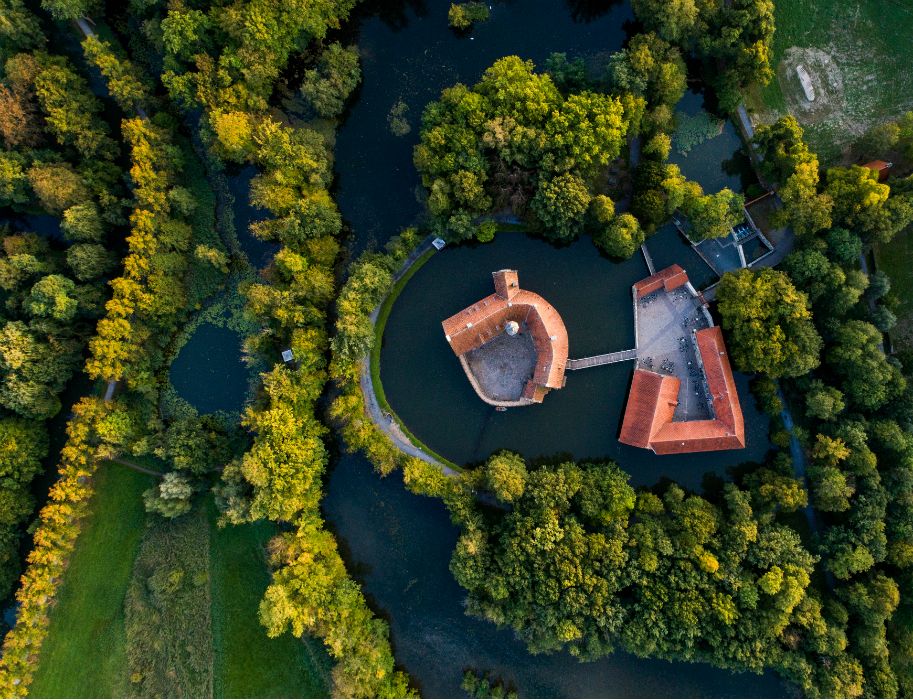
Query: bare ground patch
{"type": "Point", "coordinates": [826, 80]}
{"type": "Point", "coordinates": [858, 59]}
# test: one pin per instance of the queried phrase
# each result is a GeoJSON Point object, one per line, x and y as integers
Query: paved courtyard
{"type": "Point", "coordinates": [503, 365]}
{"type": "Point", "coordinates": [664, 324]}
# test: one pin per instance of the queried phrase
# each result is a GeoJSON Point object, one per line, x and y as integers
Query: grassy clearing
{"type": "Point", "coordinates": [896, 259]}
{"type": "Point", "coordinates": [864, 45]}
{"type": "Point", "coordinates": [247, 663]}
{"type": "Point", "coordinates": [84, 654]}
{"type": "Point", "coordinates": [194, 628]}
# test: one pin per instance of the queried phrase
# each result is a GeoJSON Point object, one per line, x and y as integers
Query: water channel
{"type": "Point", "coordinates": [398, 545]}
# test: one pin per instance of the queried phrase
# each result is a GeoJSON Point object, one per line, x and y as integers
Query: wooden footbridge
{"type": "Point", "coordinates": [607, 359]}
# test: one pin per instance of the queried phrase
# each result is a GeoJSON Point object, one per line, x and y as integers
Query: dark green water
{"type": "Point", "coordinates": [719, 162]}
{"type": "Point", "coordinates": [428, 389]}
{"type": "Point", "coordinates": [258, 252]}
{"type": "Point", "coordinates": [208, 372]}
{"type": "Point", "coordinates": [398, 545]}
{"type": "Point", "coordinates": [668, 247]}
{"type": "Point", "coordinates": [44, 225]}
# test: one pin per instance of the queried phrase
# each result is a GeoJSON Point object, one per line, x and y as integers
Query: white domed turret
{"type": "Point", "coordinates": [512, 328]}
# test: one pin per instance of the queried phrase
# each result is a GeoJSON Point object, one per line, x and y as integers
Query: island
{"type": "Point", "coordinates": [512, 344]}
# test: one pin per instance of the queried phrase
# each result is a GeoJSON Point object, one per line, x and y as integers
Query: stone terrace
{"type": "Point", "coordinates": [664, 344]}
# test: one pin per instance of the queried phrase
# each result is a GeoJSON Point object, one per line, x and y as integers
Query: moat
{"type": "Point", "coordinates": [428, 389]}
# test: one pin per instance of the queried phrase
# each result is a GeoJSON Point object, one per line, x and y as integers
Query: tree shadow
{"type": "Point", "coordinates": [588, 10]}
{"type": "Point", "coordinates": [393, 13]}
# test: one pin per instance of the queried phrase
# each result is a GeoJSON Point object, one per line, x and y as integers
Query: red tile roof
{"type": "Point", "coordinates": [476, 325]}
{"type": "Point", "coordinates": [671, 278]}
{"type": "Point", "coordinates": [880, 166]}
{"type": "Point", "coordinates": [648, 420]}
{"type": "Point", "coordinates": [651, 404]}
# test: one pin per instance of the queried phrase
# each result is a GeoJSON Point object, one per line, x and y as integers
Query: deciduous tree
{"type": "Point", "coordinates": [327, 86]}
{"type": "Point", "coordinates": [768, 323]}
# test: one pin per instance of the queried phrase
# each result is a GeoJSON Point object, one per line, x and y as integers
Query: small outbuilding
{"type": "Point", "coordinates": [882, 167]}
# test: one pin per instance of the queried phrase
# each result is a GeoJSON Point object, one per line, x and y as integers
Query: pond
{"type": "Point", "coordinates": [409, 53]}
{"type": "Point", "coordinates": [208, 372]}
{"type": "Point", "coordinates": [398, 546]}
{"type": "Point", "coordinates": [717, 162]}
{"type": "Point", "coordinates": [427, 388]}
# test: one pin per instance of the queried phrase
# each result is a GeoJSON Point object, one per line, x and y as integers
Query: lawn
{"type": "Point", "coordinates": [247, 663]}
{"type": "Point", "coordinates": [84, 654]}
{"type": "Point", "coordinates": [858, 54]}
{"type": "Point", "coordinates": [896, 259]}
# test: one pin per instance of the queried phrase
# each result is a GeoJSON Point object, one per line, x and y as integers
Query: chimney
{"type": "Point", "coordinates": [507, 283]}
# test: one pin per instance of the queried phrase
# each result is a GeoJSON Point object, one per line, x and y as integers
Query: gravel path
{"type": "Point", "coordinates": [384, 421]}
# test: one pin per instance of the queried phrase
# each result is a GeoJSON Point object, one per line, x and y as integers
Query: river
{"type": "Point", "coordinates": [398, 546]}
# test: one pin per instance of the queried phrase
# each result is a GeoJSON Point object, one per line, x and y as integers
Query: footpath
{"type": "Point", "coordinates": [385, 421]}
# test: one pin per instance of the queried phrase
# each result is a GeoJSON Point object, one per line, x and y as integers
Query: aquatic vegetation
{"type": "Point", "coordinates": [694, 129]}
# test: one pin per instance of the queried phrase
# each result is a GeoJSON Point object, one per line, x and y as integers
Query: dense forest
{"type": "Point", "coordinates": [59, 161]}
{"type": "Point", "coordinates": [119, 142]}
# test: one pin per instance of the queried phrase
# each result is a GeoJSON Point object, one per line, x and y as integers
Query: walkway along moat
{"type": "Point", "coordinates": [398, 545]}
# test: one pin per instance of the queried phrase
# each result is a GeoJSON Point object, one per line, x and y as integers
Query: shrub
{"type": "Point", "coordinates": [464, 15]}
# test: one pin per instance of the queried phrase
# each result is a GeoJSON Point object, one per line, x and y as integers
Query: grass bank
{"type": "Point", "coordinates": [383, 315]}
{"type": "Point", "coordinates": [247, 663]}
{"type": "Point", "coordinates": [84, 654]}
{"type": "Point", "coordinates": [379, 325]}
{"type": "Point", "coordinates": [860, 53]}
